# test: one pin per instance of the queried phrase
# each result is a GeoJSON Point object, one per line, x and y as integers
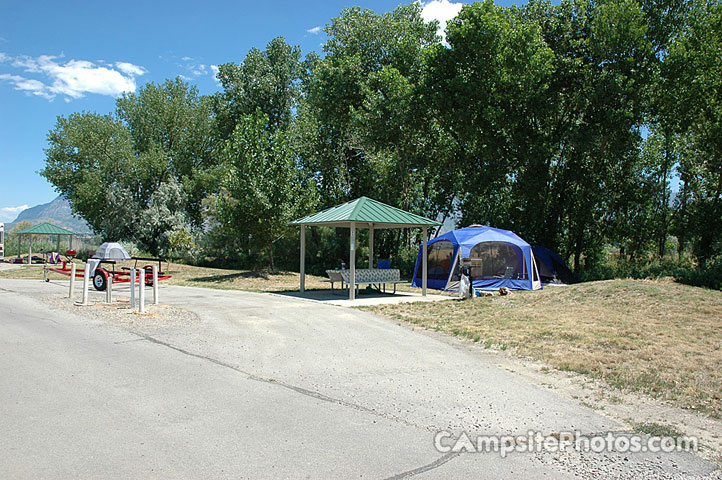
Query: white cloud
{"type": "Point", "coordinates": [3, 57]}
{"type": "Point", "coordinates": [315, 30]}
{"type": "Point", "coordinates": [8, 214]}
{"type": "Point", "coordinates": [130, 69]}
{"type": "Point", "coordinates": [73, 78]}
{"type": "Point", "coordinates": [441, 10]}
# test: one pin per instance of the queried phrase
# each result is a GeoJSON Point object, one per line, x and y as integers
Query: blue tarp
{"type": "Point", "coordinates": [464, 240]}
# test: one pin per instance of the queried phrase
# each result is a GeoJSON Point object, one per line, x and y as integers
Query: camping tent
{"type": "Point", "coordinates": [552, 269]}
{"type": "Point", "coordinates": [499, 258]}
{"type": "Point", "coordinates": [111, 251]}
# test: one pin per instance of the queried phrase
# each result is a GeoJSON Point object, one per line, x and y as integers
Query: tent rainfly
{"type": "Point", "coordinates": [363, 212]}
{"type": "Point", "coordinates": [44, 228]}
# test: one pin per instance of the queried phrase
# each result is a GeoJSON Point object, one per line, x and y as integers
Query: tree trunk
{"type": "Point", "coordinates": [270, 254]}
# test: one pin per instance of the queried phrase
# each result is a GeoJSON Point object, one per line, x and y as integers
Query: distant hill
{"type": "Point", "coordinates": [56, 212]}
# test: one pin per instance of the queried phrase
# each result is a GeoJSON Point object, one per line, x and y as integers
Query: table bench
{"type": "Point", "coordinates": [366, 276]}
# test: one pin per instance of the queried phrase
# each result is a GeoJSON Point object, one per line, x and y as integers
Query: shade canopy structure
{"type": "Point", "coordinates": [367, 213]}
{"type": "Point", "coordinates": [43, 228]}
{"type": "Point", "coordinates": [498, 258]}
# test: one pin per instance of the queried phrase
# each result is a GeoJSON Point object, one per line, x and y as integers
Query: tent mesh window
{"type": "Point", "coordinates": [498, 260]}
{"type": "Point", "coordinates": [439, 259]}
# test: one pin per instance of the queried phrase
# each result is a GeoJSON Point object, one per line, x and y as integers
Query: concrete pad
{"type": "Point", "coordinates": [364, 299]}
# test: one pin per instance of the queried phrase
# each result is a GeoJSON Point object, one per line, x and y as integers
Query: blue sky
{"type": "Point", "coordinates": [57, 58]}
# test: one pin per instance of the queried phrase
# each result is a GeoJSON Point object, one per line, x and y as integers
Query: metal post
{"type": "Point", "coordinates": [156, 300]}
{"type": "Point", "coordinates": [58, 245]}
{"type": "Point", "coordinates": [71, 292]}
{"type": "Point", "coordinates": [141, 293]}
{"type": "Point", "coordinates": [352, 262]}
{"type": "Point", "coordinates": [424, 263]}
{"type": "Point", "coordinates": [371, 245]}
{"type": "Point", "coordinates": [19, 245]}
{"type": "Point", "coordinates": [30, 249]}
{"type": "Point", "coordinates": [302, 267]}
{"type": "Point", "coordinates": [132, 288]}
{"type": "Point", "coordinates": [109, 289]}
{"type": "Point", "coordinates": [86, 279]}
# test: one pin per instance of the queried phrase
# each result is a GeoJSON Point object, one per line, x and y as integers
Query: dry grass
{"type": "Point", "coordinates": [656, 337]}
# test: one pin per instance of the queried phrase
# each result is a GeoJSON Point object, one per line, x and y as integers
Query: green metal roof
{"type": "Point", "coordinates": [365, 212]}
{"type": "Point", "coordinates": [46, 228]}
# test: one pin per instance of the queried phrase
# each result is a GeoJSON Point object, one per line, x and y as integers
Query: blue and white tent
{"type": "Point", "coordinates": [499, 258]}
{"type": "Point", "coordinates": [552, 269]}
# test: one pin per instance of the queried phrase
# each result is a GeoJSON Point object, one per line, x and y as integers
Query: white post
{"type": "Point", "coordinates": [132, 288]}
{"type": "Point", "coordinates": [141, 292]}
{"type": "Point", "coordinates": [424, 263]}
{"type": "Point", "coordinates": [70, 245]}
{"type": "Point", "coordinates": [71, 292]}
{"type": "Point", "coordinates": [109, 289]}
{"type": "Point", "coordinates": [58, 245]}
{"type": "Point", "coordinates": [86, 279]}
{"type": "Point", "coordinates": [352, 262]}
{"type": "Point", "coordinates": [19, 245]}
{"type": "Point", "coordinates": [30, 249]}
{"type": "Point", "coordinates": [302, 267]}
{"type": "Point", "coordinates": [156, 299]}
{"type": "Point", "coordinates": [371, 245]}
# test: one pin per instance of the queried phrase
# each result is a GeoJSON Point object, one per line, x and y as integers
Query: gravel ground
{"type": "Point", "coordinates": [119, 313]}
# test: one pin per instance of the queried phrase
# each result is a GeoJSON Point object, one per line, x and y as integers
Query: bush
{"type": "Point", "coordinates": [707, 275]}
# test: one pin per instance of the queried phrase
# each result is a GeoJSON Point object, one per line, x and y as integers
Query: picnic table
{"type": "Point", "coordinates": [366, 276]}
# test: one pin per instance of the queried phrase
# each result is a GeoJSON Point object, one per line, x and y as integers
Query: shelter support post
{"type": "Point", "coordinates": [302, 266]}
{"type": "Point", "coordinates": [30, 249]}
{"type": "Point", "coordinates": [19, 246]}
{"type": "Point", "coordinates": [58, 249]}
{"type": "Point", "coordinates": [371, 245]}
{"type": "Point", "coordinates": [424, 261]}
{"type": "Point", "coordinates": [70, 247]}
{"type": "Point", "coordinates": [352, 263]}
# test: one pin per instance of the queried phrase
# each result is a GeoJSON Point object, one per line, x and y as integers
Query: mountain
{"type": "Point", "coordinates": [56, 212]}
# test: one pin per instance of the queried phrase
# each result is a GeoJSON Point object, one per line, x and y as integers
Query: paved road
{"type": "Point", "coordinates": [263, 386]}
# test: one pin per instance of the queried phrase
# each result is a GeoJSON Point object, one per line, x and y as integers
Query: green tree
{"type": "Point", "coordinates": [268, 80]}
{"type": "Point", "coordinates": [140, 174]}
{"type": "Point", "coordinates": [262, 187]}
{"type": "Point", "coordinates": [693, 71]}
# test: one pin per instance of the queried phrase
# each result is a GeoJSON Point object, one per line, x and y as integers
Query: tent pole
{"type": "Point", "coordinates": [352, 263]}
{"type": "Point", "coordinates": [303, 258]}
{"type": "Point", "coordinates": [371, 245]}
{"type": "Point", "coordinates": [424, 263]}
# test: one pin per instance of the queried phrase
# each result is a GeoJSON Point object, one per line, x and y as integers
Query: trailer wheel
{"type": "Point", "coordinates": [100, 279]}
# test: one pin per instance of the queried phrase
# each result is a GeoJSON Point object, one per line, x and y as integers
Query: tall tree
{"type": "Point", "coordinates": [136, 175]}
{"type": "Point", "coordinates": [693, 71]}
{"type": "Point", "coordinates": [267, 80]}
{"type": "Point", "coordinates": [262, 186]}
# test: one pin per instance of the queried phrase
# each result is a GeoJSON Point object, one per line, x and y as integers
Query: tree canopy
{"type": "Point", "coordinates": [581, 126]}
